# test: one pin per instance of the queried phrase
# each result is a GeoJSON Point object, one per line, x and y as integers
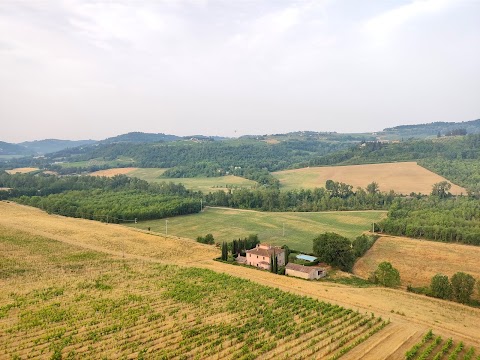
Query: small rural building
{"type": "Point", "coordinates": [305, 272]}
{"type": "Point", "coordinates": [260, 256]}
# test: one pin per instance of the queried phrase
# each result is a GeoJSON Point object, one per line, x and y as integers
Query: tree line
{"type": "Point", "coordinates": [335, 196]}
{"type": "Point", "coordinates": [453, 219]}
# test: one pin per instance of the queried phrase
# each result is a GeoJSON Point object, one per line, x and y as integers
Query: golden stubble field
{"type": "Point", "coordinates": [419, 260]}
{"type": "Point", "coordinates": [411, 315]}
{"type": "Point", "coordinates": [402, 177]}
{"type": "Point", "coordinates": [24, 170]}
{"type": "Point", "coordinates": [113, 172]}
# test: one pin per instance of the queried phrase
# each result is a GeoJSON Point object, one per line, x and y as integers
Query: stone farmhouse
{"type": "Point", "coordinates": [305, 272]}
{"type": "Point", "coordinates": [260, 256]}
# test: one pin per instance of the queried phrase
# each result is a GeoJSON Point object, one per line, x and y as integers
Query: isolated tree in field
{"type": "Point", "coordinates": [441, 189]}
{"type": "Point", "coordinates": [462, 287]}
{"type": "Point", "coordinates": [440, 287]}
{"type": "Point", "coordinates": [386, 275]}
{"type": "Point", "coordinates": [334, 249]}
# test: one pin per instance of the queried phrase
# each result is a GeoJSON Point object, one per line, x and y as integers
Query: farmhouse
{"type": "Point", "coordinates": [260, 256]}
{"type": "Point", "coordinates": [305, 272]}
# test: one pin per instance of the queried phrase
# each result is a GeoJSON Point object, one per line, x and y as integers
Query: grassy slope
{"type": "Point", "coordinates": [403, 177]}
{"type": "Point", "coordinates": [204, 184]}
{"type": "Point", "coordinates": [300, 228]}
{"type": "Point", "coordinates": [61, 301]}
{"type": "Point", "coordinates": [418, 313]}
{"type": "Point", "coordinates": [419, 260]}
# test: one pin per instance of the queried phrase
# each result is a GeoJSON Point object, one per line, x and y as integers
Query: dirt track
{"type": "Point", "coordinates": [412, 314]}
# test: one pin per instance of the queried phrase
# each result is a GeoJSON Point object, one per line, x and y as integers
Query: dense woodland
{"type": "Point", "coordinates": [450, 220]}
{"type": "Point", "coordinates": [107, 199]}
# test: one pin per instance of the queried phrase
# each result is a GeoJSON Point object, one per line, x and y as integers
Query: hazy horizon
{"type": "Point", "coordinates": [93, 69]}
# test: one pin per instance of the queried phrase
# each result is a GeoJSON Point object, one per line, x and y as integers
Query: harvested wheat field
{"type": "Point", "coordinates": [402, 177]}
{"type": "Point", "coordinates": [113, 172]}
{"type": "Point", "coordinates": [419, 260]}
{"type": "Point", "coordinates": [118, 274]}
{"type": "Point", "coordinates": [24, 170]}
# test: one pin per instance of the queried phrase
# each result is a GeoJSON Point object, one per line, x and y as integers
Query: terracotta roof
{"type": "Point", "coordinates": [303, 268]}
{"type": "Point", "coordinates": [266, 252]}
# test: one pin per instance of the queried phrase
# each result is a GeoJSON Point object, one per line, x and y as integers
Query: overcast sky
{"type": "Point", "coordinates": [93, 69]}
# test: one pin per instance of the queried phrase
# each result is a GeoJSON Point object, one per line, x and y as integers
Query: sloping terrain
{"type": "Point", "coordinates": [419, 260]}
{"type": "Point", "coordinates": [402, 177]}
{"type": "Point", "coordinates": [410, 314]}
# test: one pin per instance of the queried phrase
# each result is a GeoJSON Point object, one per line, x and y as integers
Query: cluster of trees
{"type": "Point", "coordinates": [113, 206]}
{"type": "Point", "coordinates": [447, 219]}
{"type": "Point", "coordinates": [42, 185]}
{"type": "Point", "coordinates": [106, 199]}
{"type": "Point", "coordinates": [337, 196]}
{"type": "Point", "coordinates": [459, 288]}
{"type": "Point", "coordinates": [239, 246]}
{"type": "Point", "coordinates": [338, 251]}
{"type": "Point", "coordinates": [207, 239]}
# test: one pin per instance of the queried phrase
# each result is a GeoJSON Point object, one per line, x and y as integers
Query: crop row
{"type": "Point", "coordinates": [436, 348]}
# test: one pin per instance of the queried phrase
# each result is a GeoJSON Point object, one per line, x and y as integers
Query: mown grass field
{"type": "Point", "coordinates": [402, 177]}
{"type": "Point", "coordinates": [204, 184]}
{"type": "Point", "coordinates": [300, 228]}
{"type": "Point", "coordinates": [62, 301]}
{"type": "Point", "coordinates": [419, 260]}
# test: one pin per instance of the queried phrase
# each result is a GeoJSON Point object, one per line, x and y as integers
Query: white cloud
{"type": "Point", "coordinates": [382, 26]}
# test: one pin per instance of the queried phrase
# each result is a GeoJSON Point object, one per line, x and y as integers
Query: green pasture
{"type": "Point", "coordinates": [204, 184]}
{"type": "Point", "coordinates": [300, 228]}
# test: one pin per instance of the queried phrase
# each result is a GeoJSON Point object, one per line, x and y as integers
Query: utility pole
{"type": "Point", "coordinates": [373, 227]}
{"type": "Point", "coordinates": [166, 227]}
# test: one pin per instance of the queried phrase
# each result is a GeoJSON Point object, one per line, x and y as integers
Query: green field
{"type": "Point", "coordinates": [300, 228]}
{"type": "Point", "coordinates": [204, 184]}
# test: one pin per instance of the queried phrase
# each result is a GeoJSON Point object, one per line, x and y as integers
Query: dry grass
{"type": "Point", "coordinates": [23, 170]}
{"type": "Point", "coordinates": [403, 177]}
{"type": "Point", "coordinates": [419, 260]}
{"type": "Point", "coordinates": [113, 172]}
{"type": "Point", "coordinates": [419, 312]}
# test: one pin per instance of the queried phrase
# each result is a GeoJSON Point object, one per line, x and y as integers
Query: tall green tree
{"type": "Point", "coordinates": [335, 250]}
{"type": "Point", "coordinates": [224, 251]}
{"type": "Point", "coordinates": [441, 189]}
{"type": "Point", "coordinates": [386, 275]}
{"type": "Point", "coordinates": [440, 287]}
{"type": "Point", "coordinates": [462, 287]}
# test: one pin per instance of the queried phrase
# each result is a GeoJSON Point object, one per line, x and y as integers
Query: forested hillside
{"type": "Point", "coordinates": [431, 130]}
{"type": "Point", "coordinates": [13, 149]}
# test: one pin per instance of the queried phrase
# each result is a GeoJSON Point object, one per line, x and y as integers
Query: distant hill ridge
{"type": "Point", "coordinates": [46, 146]}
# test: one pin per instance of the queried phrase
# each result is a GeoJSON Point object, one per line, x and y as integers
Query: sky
{"type": "Point", "coordinates": [94, 69]}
